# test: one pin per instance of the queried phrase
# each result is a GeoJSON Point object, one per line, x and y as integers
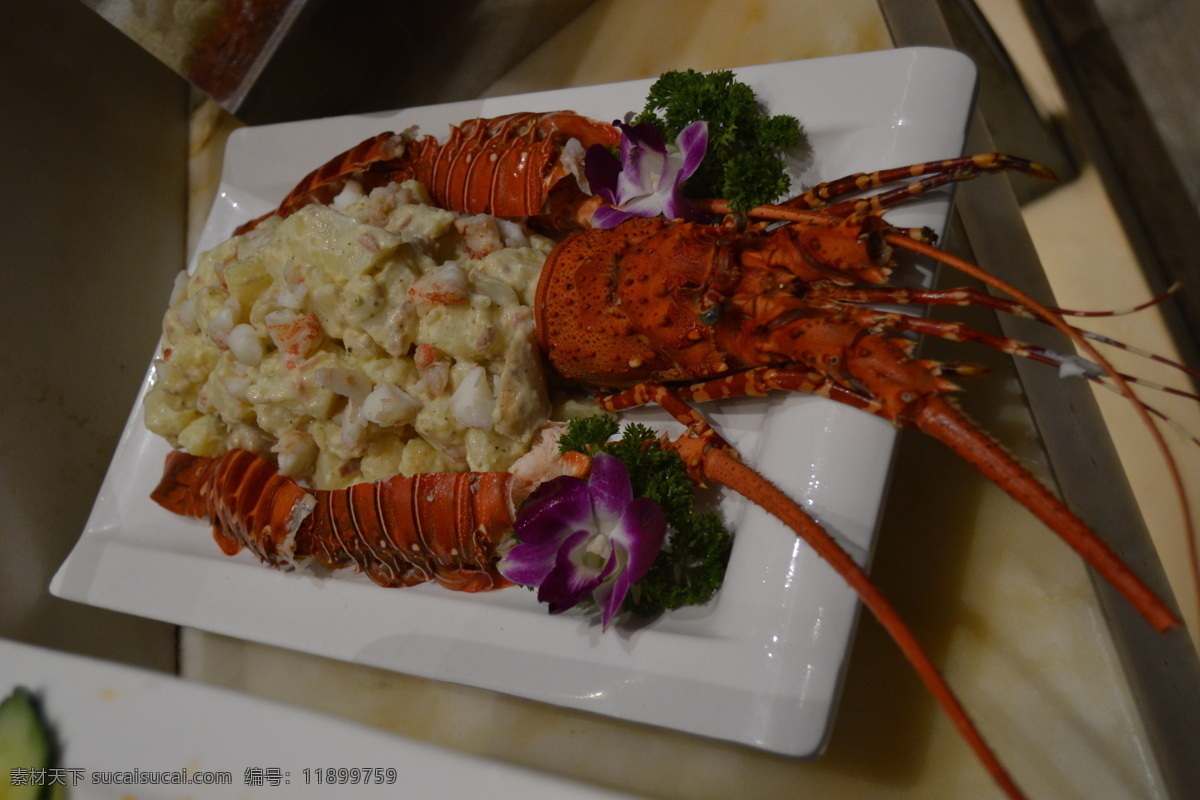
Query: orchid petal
{"type": "Point", "coordinates": [609, 486]}
{"type": "Point", "coordinates": [556, 509]}
{"type": "Point", "coordinates": [609, 217]}
{"type": "Point", "coordinates": [570, 582]}
{"type": "Point", "coordinates": [650, 205]}
{"type": "Point", "coordinates": [609, 596]}
{"type": "Point", "coordinates": [640, 167]}
{"type": "Point", "coordinates": [692, 142]}
{"type": "Point", "coordinates": [561, 503]}
{"type": "Point", "coordinates": [679, 207]}
{"type": "Point", "coordinates": [528, 565]}
{"type": "Point", "coordinates": [636, 543]}
{"type": "Point", "coordinates": [646, 134]}
{"type": "Point", "coordinates": [641, 533]}
{"type": "Point", "coordinates": [602, 170]}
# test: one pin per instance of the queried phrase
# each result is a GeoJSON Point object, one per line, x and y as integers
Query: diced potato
{"type": "Point", "coordinates": [247, 280]}
{"type": "Point", "coordinates": [488, 451]}
{"type": "Point", "coordinates": [339, 245]}
{"type": "Point", "coordinates": [166, 416]}
{"type": "Point", "coordinates": [204, 436]}
{"type": "Point", "coordinates": [420, 456]}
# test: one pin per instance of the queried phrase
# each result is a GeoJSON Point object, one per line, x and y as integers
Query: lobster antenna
{"type": "Point", "coordinates": [727, 469]}
{"type": "Point", "coordinates": [1137, 351]}
{"type": "Point", "coordinates": [1172, 422]}
{"type": "Point", "coordinates": [1139, 407]}
{"type": "Point", "coordinates": [1153, 301]}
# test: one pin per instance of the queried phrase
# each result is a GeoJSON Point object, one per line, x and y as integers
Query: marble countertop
{"type": "Point", "coordinates": [1006, 611]}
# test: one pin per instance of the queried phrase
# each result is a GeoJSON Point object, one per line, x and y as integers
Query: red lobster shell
{"type": "Point", "coordinates": [509, 166]}
{"type": "Point", "coordinates": [401, 531]}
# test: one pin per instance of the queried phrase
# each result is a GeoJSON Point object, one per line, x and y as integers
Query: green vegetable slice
{"type": "Point", "coordinates": [25, 743]}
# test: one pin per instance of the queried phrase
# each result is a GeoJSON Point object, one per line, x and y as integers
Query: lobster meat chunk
{"type": "Point", "coordinates": [402, 531]}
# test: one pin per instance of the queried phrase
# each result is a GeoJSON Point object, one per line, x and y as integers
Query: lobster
{"type": "Point", "coordinates": [401, 531]}
{"type": "Point", "coordinates": [517, 165]}
{"type": "Point", "coordinates": [673, 312]}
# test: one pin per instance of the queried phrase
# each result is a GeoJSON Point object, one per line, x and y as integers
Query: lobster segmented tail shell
{"type": "Point", "coordinates": [509, 166]}
{"type": "Point", "coordinates": [250, 504]}
{"type": "Point", "coordinates": [506, 166]}
{"type": "Point", "coordinates": [401, 531]}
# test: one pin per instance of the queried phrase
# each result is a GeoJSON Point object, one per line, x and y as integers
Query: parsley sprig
{"type": "Point", "coordinates": [691, 566]}
{"type": "Point", "coordinates": [744, 164]}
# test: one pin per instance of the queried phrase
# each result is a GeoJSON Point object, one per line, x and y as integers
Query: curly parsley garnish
{"type": "Point", "coordinates": [691, 566]}
{"type": "Point", "coordinates": [744, 164]}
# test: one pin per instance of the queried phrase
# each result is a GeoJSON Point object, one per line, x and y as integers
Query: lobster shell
{"type": "Point", "coordinates": [402, 531]}
{"type": "Point", "coordinates": [509, 166]}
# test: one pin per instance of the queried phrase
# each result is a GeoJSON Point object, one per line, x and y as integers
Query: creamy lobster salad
{"type": "Point", "coordinates": [379, 335]}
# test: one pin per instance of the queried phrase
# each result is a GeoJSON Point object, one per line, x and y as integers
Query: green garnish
{"type": "Point", "coordinates": [745, 163]}
{"type": "Point", "coordinates": [691, 566]}
{"type": "Point", "coordinates": [27, 748]}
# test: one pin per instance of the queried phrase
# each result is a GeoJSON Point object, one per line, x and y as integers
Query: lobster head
{"type": "Point", "coordinates": [656, 300]}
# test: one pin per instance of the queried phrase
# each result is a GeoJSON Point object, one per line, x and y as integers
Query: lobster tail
{"type": "Point", "coordinates": [178, 490]}
{"type": "Point", "coordinates": [402, 531]}
{"type": "Point", "coordinates": [511, 166]}
{"type": "Point", "coordinates": [408, 530]}
{"type": "Point", "coordinates": [250, 504]}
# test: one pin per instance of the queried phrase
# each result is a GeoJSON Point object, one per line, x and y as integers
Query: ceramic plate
{"type": "Point", "coordinates": [234, 746]}
{"type": "Point", "coordinates": [762, 663]}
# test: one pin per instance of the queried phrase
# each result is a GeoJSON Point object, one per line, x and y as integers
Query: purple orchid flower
{"type": "Point", "coordinates": [581, 538]}
{"type": "Point", "coordinates": [646, 181]}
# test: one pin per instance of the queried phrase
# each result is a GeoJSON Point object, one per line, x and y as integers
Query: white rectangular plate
{"type": "Point", "coordinates": [762, 663]}
{"type": "Point", "coordinates": [115, 719]}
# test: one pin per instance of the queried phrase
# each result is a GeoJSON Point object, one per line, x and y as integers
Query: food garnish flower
{"type": "Point", "coordinates": [585, 538]}
{"type": "Point", "coordinates": [646, 181]}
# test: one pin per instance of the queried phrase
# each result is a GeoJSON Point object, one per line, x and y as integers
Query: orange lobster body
{"type": "Point", "coordinates": [688, 302]}
{"type": "Point", "coordinates": [399, 532]}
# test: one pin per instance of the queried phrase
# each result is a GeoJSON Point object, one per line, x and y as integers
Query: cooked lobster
{"type": "Point", "coordinates": [401, 531]}
{"type": "Point", "coordinates": [518, 165]}
{"type": "Point", "coordinates": [668, 312]}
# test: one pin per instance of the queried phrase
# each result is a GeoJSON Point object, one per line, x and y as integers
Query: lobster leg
{"type": "Point", "coordinates": [938, 173]}
{"type": "Point", "coordinates": [709, 458]}
{"type": "Point", "coordinates": [971, 297]}
{"type": "Point", "coordinates": [936, 417]}
{"type": "Point", "coordinates": [758, 382]}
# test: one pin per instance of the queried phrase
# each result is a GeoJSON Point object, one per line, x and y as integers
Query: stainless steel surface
{"type": "Point", "coordinates": [1131, 72]}
{"type": "Point", "coordinates": [94, 220]}
{"type": "Point", "coordinates": [277, 60]}
{"type": "Point", "coordinates": [1016, 123]}
{"type": "Point", "coordinates": [1163, 670]}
